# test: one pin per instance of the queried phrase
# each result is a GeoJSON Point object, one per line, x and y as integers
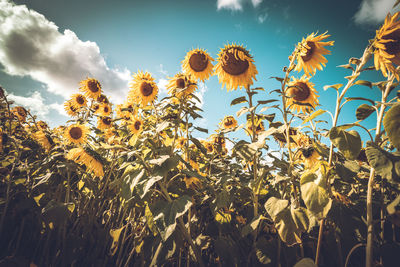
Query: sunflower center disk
{"type": "Point", "coordinates": [105, 109]}
{"type": "Point", "coordinates": [80, 100]}
{"type": "Point", "coordinates": [233, 65]}
{"type": "Point", "coordinates": [300, 91]}
{"type": "Point", "coordinates": [180, 83]}
{"type": "Point", "coordinates": [393, 47]}
{"type": "Point", "coordinates": [137, 125]}
{"type": "Point", "coordinates": [102, 99]}
{"type": "Point", "coordinates": [93, 86]}
{"type": "Point", "coordinates": [308, 152]}
{"type": "Point", "coordinates": [75, 132]}
{"type": "Point", "coordinates": [146, 89]}
{"type": "Point", "coordinates": [107, 121]}
{"type": "Point", "coordinates": [198, 62]}
{"type": "Point", "coordinates": [310, 52]}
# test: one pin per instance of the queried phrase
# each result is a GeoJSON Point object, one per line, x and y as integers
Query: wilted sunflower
{"type": "Point", "coordinates": [259, 126]}
{"type": "Point", "coordinates": [136, 125]}
{"type": "Point", "coordinates": [235, 67]}
{"type": "Point", "coordinates": [387, 45]}
{"type": "Point", "coordinates": [70, 109]}
{"type": "Point", "coordinates": [310, 53]}
{"type": "Point", "coordinates": [78, 101]}
{"type": "Point", "coordinates": [104, 123]}
{"type": "Point", "coordinates": [104, 110]}
{"type": "Point", "coordinates": [181, 85]}
{"type": "Point", "coordinates": [20, 112]}
{"type": "Point", "coordinates": [143, 89]}
{"type": "Point", "coordinates": [43, 140]}
{"type": "Point", "coordinates": [228, 122]}
{"type": "Point", "coordinates": [197, 63]}
{"type": "Point", "coordinates": [82, 156]}
{"type": "Point", "coordinates": [310, 156]}
{"type": "Point", "coordinates": [91, 87]}
{"type": "Point", "coordinates": [301, 91]}
{"type": "Point", "coordinates": [76, 133]}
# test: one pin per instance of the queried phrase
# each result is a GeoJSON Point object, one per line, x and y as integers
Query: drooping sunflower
{"type": "Point", "coordinates": [104, 123]}
{"type": "Point", "coordinates": [181, 85]}
{"type": "Point", "coordinates": [198, 64]}
{"type": "Point", "coordinates": [70, 109]}
{"type": "Point", "coordinates": [235, 67]}
{"type": "Point", "coordinates": [143, 89]}
{"type": "Point", "coordinates": [91, 88]}
{"type": "Point", "coordinates": [218, 141]}
{"type": "Point", "coordinates": [136, 125]}
{"type": "Point", "coordinates": [88, 158]}
{"type": "Point", "coordinates": [43, 140]}
{"type": "Point", "coordinates": [78, 101]}
{"type": "Point", "coordinates": [208, 145]}
{"type": "Point", "coordinates": [228, 122]}
{"type": "Point", "coordinates": [310, 53]}
{"type": "Point", "coordinates": [104, 110]}
{"type": "Point", "coordinates": [387, 45]}
{"type": "Point", "coordinates": [76, 133]}
{"type": "Point", "coordinates": [259, 126]}
{"type": "Point", "coordinates": [20, 112]}
{"type": "Point", "coordinates": [310, 156]}
{"type": "Point", "coordinates": [301, 91]}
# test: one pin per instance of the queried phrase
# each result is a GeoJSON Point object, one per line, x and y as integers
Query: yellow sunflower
{"type": "Point", "coordinates": [181, 142]}
{"type": "Point", "coordinates": [387, 45]}
{"type": "Point", "coordinates": [181, 85]}
{"type": "Point", "coordinates": [143, 89]}
{"type": "Point", "coordinates": [259, 126]}
{"type": "Point", "coordinates": [103, 99]}
{"type": "Point", "coordinates": [76, 133]}
{"type": "Point", "coordinates": [91, 87]}
{"type": "Point", "coordinates": [136, 125]}
{"type": "Point", "coordinates": [218, 141]}
{"type": "Point", "coordinates": [301, 91]}
{"type": "Point", "coordinates": [228, 122]}
{"type": "Point", "coordinates": [235, 67]}
{"type": "Point", "coordinates": [104, 123]}
{"type": "Point", "coordinates": [20, 112]}
{"type": "Point", "coordinates": [197, 63]}
{"type": "Point", "coordinates": [78, 101]}
{"type": "Point", "coordinates": [208, 145]}
{"type": "Point", "coordinates": [42, 125]}
{"type": "Point", "coordinates": [310, 156]}
{"type": "Point", "coordinates": [82, 156]}
{"type": "Point", "coordinates": [310, 53]}
{"type": "Point", "coordinates": [104, 110]}
{"type": "Point", "coordinates": [70, 109]}
{"type": "Point", "coordinates": [43, 140]}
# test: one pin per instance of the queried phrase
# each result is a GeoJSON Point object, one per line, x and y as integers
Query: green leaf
{"type": "Point", "coordinates": [305, 262]}
{"type": "Point", "coordinates": [334, 86]}
{"type": "Point", "coordinates": [244, 150]}
{"type": "Point", "coordinates": [314, 191]}
{"type": "Point", "coordinates": [348, 142]}
{"type": "Point", "coordinates": [360, 98]}
{"type": "Point", "coordinates": [264, 102]}
{"type": "Point", "coordinates": [391, 208]}
{"type": "Point", "coordinates": [166, 213]}
{"type": "Point", "coordinates": [314, 115]}
{"type": "Point", "coordinates": [385, 164]}
{"type": "Point", "coordinates": [363, 111]}
{"type": "Point", "coordinates": [56, 213]}
{"type": "Point", "coordinates": [115, 234]}
{"type": "Point", "coordinates": [391, 122]}
{"type": "Point", "coordinates": [238, 100]}
{"type": "Point", "coordinates": [363, 82]}
{"type": "Point", "coordinates": [346, 66]}
{"type": "Point", "coordinates": [241, 111]}
{"type": "Point", "coordinates": [204, 130]}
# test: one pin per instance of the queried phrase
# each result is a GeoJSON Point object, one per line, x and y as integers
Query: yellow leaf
{"type": "Point", "coordinates": [37, 198]}
{"type": "Point", "coordinates": [138, 248]}
{"type": "Point", "coordinates": [150, 219]}
{"type": "Point", "coordinates": [223, 217]}
{"type": "Point", "coordinates": [80, 184]}
{"type": "Point", "coordinates": [71, 207]}
{"type": "Point", "coordinates": [115, 233]}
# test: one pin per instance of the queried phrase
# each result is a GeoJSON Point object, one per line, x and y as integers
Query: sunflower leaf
{"type": "Point", "coordinates": [385, 164]}
{"type": "Point", "coordinates": [360, 98]}
{"type": "Point", "coordinates": [314, 115]}
{"type": "Point", "coordinates": [391, 122]}
{"type": "Point", "coordinates": [334, 86]}
{"type": "Point", "coordinates": [348, 142]}
{"type": "Point", "coordinates": [363, 82]}
{"type": "Point", "coordinates": [264, 102]}
{"type": "Point", "coordinates": [346, 66]}
{"type": "Point", "coordinates": [363, 112]}
{"type": "Point", "coordinates": [238, 100]}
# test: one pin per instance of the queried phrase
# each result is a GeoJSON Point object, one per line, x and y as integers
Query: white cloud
{"type": "Point", "coordinates": [236, 5]}
{"type": "Point", "coordinates": [374, 11]}
{"type": "Point", "coordinates": [31, 45]}
{"type": "Point", "coordinates": [261, 18]}
{"type": "Point", "coordinates": [202, 89]}
{"type": "Point", "coordinates": [162, 86]}
{"type": "Point", "coordinates": [36, 104]}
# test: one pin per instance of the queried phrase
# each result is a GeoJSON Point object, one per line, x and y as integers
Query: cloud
{"type": "Point", "coordinates": [36, 104]}
{"type": "Point", "coordinates": [261, 18]}
{"type": "Point", "coordinates": [373, 12]}
{"type": "Point", "coordinates": [201, 90]}
{"type": "Point", "coordinates": [162, 86]}
{"type": "Point", "coordinates": [236, 5]}
{"type": "Point", "coordinates": [31, 45]}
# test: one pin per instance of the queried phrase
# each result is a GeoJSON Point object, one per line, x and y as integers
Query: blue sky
{"type": "Point", "coordinates": [48, 46]}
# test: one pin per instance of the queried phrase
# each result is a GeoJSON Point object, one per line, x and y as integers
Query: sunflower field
{"type": "Point", "coordinates": [133, 184]}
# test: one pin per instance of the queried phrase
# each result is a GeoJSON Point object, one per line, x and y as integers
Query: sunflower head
{"type": "Point", "coordinates": [387, 45]}
{"type": "Point", "coordinates": [235, 67]}
{"type": "Point", "coordinates": [104, 123]}
{"type": "Point", "coordinates": [76, 134]}
{"type": "Point", "coordinates": [143, 89]}
{"type": "Point", "coordinates": [103, 99]}
{"type": "Point", "coordinates": [20, 112]}
{"type": "Point", "coordinates": [181, 142]}
{"type": "Point", "coordinates": [91, 88]}
{"type": "Point", "coordinates": [42, 125]}
{"type": "Point", "coordinates": [181, 85]}
{"type": "Point", "coordinates": [310, 53]}
{"type": "Point", "coordinates": [208, 145]}
{"type": "Point", "coordinates": [135, 125]}
{"type": "Point", "coordinates": [218, 142]}
{"type": "Point", "coordinates": [44, 141]}
{"type": "Point", "coordinates": [259, 126]}
{"type": "Point", "coordinates": [70, 109]}
{"type": "Point", "coordinates": [198, 64]}
{"type": "Point", "coordinates": [88, 158]}
{"type": "Point", "coordinates": [310, 156]}
{"type": "Point", "coordinates": [78, 101]}
{"type": "Point", "coordinates": [228, 122]}
{"type": "Point", "coordinates": [301, 91]}
{"type": "Point", "coordinates": [104, 110]}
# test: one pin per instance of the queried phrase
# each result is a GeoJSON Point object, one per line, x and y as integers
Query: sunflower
{"type": "Point", "coordinates": [310, 156]}
{"type": "Point", "coordinates": [76, 133]}
{"type": "Point", "coordinates": [218, 142]}
{"type": "Point", "coordinates": [301, 91]}
{"type": "Point", "coordinates": [78, 101]}
{"type": "Point", "coordinates": [20, 112]}
{"type": "Point", "coordinates": [70, 109]}
{"type": "Point", "coordinates": [310, 53]}
{"type": "Point", "coordinates": [259, 126]}
{"type": "Point", "coordinates": [228, 122]}
{"type": "Point", "coordinates": [208, 145]}
{"type": "Point", "coordinates": [43, 140]}
{"type": "Point", "coordinates": [143, 89]}
{"type": "Point", "coordinates": [387, 45]}
{"type": "Point", "coordinates": [136, 125]}
{"type": "Point", "coordinates": [192, 183]}
{"type": "Point", "coordinates": [197, 63]}
{"type": "Point", "coordinates": [42, 125]}
{"type": "Point", "coordinates": [181, 85]}
{"type": "Point", "coordinates": [91, 87]}
{"type": "Point", "coordinates": [82, 156]}
{"type": "Point", "coordinates": [103, 99]}
{"type": "Point", "coordinates": [181, 142]}
{"type": "Point", "coordinates": [104, 110]}
{"type": "Point", "coordinates": [104, 123]}
{"type": "Point", "coordinates": [235, 67]}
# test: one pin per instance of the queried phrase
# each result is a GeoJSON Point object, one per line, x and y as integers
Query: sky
{"type": "Point", "coordinates": [48, 46]}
